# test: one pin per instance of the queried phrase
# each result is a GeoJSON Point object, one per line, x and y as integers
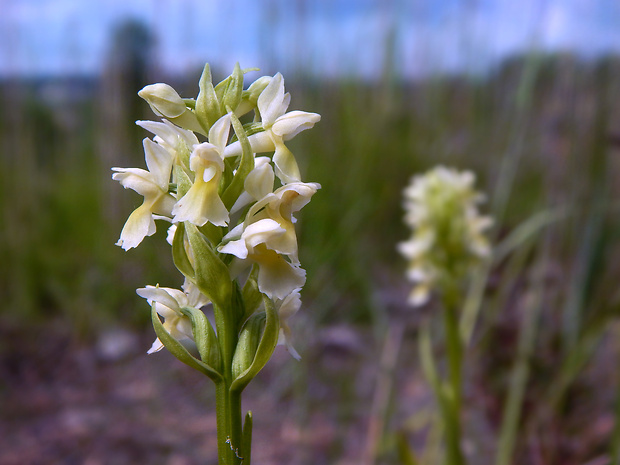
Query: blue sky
{"type": "Point", "coordinates": [331, 37]}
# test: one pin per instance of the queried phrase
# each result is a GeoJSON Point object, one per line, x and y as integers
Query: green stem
{"type": "Point", "coordinates": [228, 417]}
{"type": "Point", "coordinates": [227, 403]}
{"type": "Point", "coordinates": [453, 389]}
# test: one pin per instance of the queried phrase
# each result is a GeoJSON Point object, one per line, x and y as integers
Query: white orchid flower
{"type": "Point", "coordinates": [286, 309]}
{"type": "Point", "coordinates": [202, 203]}
{"type": "Point", "coordinates": [277, 277]}
{"type": "Point", "coordinates": [168, 304]}
{"type": "Point", "coordinates": [279, 127]}
{"type": "Point", "coordinates": [280, 207]}
{"type": "Point", "coordinates": [153, 186]}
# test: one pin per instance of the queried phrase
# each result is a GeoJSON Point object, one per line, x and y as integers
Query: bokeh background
{"type": "Point", "coordinates": [525, 94]}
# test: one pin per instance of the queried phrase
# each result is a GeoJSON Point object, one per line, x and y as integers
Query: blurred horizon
{"type": "Point", "coordinates": [325, 39]}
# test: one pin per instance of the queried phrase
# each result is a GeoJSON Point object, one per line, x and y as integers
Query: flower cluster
{"type": "Point", "coordinates": [447, 238]}
{"type": "Point", "coordinates": [231, 213]}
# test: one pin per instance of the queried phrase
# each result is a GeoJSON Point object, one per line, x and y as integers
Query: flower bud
{"type": "Point", "coordinates": [163, 100]}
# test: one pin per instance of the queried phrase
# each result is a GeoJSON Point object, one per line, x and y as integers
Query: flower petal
{"type": "Point", "coordinates": [139, 225]}
{"type": "Point", "coordinates": [159, 162]}
{"type": "Point", "coordinates": [277, 278]}
{"type": "Point", "coordinates": [272, 102]}
{"type": "Point", "coordinates": [289, 125]}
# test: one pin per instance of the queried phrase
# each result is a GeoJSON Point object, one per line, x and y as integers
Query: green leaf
{"type": "Point", "coordinates": [246, 439]}
{"type": "Point", "coordinates": [208, 109]}
{"type": "Point", "coordinates": [177, 349]}
{"type": "Point", "coordinates": [265, 348]}
{"type": "Point", "coordinates": [205, 338]}
{"type": "Point", "coordinates": [405, 454]}
{"type": "Point", "coordinates": [211, 274]}
{"type": "Point", "coordinates": [179, 254]}
{"type": "Point", "coordinates": [235, 188]}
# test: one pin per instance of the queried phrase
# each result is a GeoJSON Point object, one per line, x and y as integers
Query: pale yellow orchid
{"type": "Point", "coordinates": [153, 186]}
{"type": "Point", "coordinates": [202, 203]}
{"type": "Point", "coordinates": [168, 304]}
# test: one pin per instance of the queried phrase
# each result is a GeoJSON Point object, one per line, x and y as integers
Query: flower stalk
{"type": "Point", "coordinates": [232, 233]}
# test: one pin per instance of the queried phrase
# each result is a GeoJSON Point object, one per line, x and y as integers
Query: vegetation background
{"type": "Point", "coordinates": [541, 130]}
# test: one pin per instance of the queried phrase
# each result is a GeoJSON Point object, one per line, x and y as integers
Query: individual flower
{"type": "Point", "coordinates": [166, 102]}
{"type": "Point", "coordinates": [277, 277]}
{"type": "Point", "coordinates": [280, 207]}
{"type": "Point", "coordinates": [286, 309]}
{"type": "Point", "coordinates": [279, 127]}
{"type": "Point", "coordinates": [168, 304]}
{"type": "Point", "coordinates": [448, 231]}
{"type": "Point", "coordinates": [202, 203]}
{"type": "Point", "coordinates": [153, 186]}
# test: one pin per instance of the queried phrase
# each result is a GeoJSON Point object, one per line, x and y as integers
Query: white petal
{"type": "Point", "coordinates": [201, 204]}
{"type": "Point", "coordinates": [259, 182]}
{"type": "Point", "coordinates": [195, 298]}
{"type": "Point", "coordinates": [243, 200]}
{"type": "Point", "coordinates": [138, 180]}
{"type": "Point", "coordinates": [260, 142]}
{"type": "Point", "coordinates": [164, 295]}
{"type": "Point", "coordinates": [261, 231]}
{"type": "Point", "coordinates": [236, 248]}
{"type": "Point", "coordinates": [286, 165]}
{"type": "Point", "coordinates": [169, 133]}
{"type": "Point", "coordinates": [271, 102]}
{"type": "Point", "coordinates": [171, 232]}
{"type": "Point", "coordinates": [234, 233]}
{"type": "Point", "coordinates": [285, 338]}
{"type": "Point", "coordinates": [156, 347]}
{"type": "Point", "coordinates": [218, 134]}
{"type": "Point", "coordinates": [290, 305]}
{"type": "Point", "coordinates": [139, 225]}
{"type": "Point", "coordinates": [159, 162]}
{"type": "Point", "coordinates": [289, 125]}
{"type": "Point", "coordinates": [277, 278]}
